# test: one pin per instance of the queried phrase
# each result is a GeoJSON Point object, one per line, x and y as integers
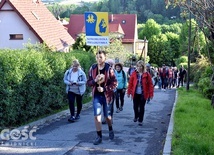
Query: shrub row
{"type": "Point", "coordinates": [31, 83]}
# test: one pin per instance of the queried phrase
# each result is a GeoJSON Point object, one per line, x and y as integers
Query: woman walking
{"type": "Point", "coordinates": [75, 80]}
{"type": "Point", "coordinates": [140, 87]}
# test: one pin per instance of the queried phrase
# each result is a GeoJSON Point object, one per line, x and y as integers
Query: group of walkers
{"type": "Point", "coordinates": [110, 83]}
{"type": "Point", "coordinates": [167, 77]}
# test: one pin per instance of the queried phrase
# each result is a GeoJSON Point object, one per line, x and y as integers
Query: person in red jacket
{"type": "Point", "coordinates": [140, 87]}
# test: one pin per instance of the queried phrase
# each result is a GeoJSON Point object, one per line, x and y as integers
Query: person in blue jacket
{"type": "Point", "coordinates": [121, 87]}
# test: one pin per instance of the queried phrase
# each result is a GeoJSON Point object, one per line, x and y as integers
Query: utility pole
{"type": "Point", "coordinates": [189, 48]}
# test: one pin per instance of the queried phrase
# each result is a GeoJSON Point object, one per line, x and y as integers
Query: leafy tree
{"type": "Point", "coordinates": [197, 39]}
{"type": "Point", "coordinates": [202, 10]}
{"type": "Point", "coordinates": [158, 50]}
{"type": "Point", "coordinates": [151, 28]}
{"type": "Point", "coordinates": [81, 9]}
{"type": "Point", "coordinates": [140, 27]}
{"type": "Point", "coordinates": [173, 40]}
{"type": "Point", "coordinates": [157, 17]}
{"type": "Point", "coordinates": [183, 37]}
{"type": "Point", "coordinates": [116, 50]}
{"type": "Point", "coordinates": [174, 28]}
{"type": "Point", "coordinates": [114, 5]}
{"type": "Point", "coordinates": [204, 15]}
{"type": "Point", "coordinates": [80, 44]}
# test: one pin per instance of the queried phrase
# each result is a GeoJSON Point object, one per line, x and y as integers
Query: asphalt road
{"type": "Point", "coordinates": [56, 136]}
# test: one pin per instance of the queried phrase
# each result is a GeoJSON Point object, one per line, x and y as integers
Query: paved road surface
{"type": "Point", "coordinates": [56, 136]}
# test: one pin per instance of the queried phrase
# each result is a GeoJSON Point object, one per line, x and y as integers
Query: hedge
{"type": "Point", "coordinates": [31, 83]}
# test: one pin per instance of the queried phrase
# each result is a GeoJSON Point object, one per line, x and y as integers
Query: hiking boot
{"type": "Point", "coordinates": [97, 141]}
{"type": "Point", "coordinates": [111, 134]}
{"type": "Point", "coordinates": [71, 119]}
{"type": "Point", "coordinates": [135, 119]}
{"type": "Point", "coordinates": [118, 110]}
{"type": "Point", "coordinates": [140, 124]}
{"type": "Point", "coordinates": [77, 117]}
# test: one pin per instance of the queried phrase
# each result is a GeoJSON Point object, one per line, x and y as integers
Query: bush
{"type": "Point", "coordinates": [182, 59]}
{"type": "Point", "coordinates": [32, 83]}
{"type": "Point", "coordinates": [205, 86]}
{"type": "Point", "coordinates": [201, 69]}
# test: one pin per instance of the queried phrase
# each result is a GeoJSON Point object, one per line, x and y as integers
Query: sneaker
{"type": "Point", "coordinates": [71, 119]}
{"type": "Point", "coordinates": [121, 108]}
{"type": "Point", "coordinates": [135, 119]}
{"type": "Point", "coordinates": [98, 140]}
{"type": "Point", "coordinates": [118, 110]}
{"type": "Point", "coordinates": [140, 123]}
{"type": "Point", "coordinates": [77, 117]}
{"type": "Point", "coordinates": [111, 134]}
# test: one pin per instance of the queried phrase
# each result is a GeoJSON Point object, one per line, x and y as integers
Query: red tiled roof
{"type": "Point", "coordinates": [121, 23]}
{"type": "Point", "coordinates": [40, 20]}
{"type": "Point", "coordinates": [115, 28]}
{"type": "Point", "coordinates": [76, 25]}
{"type": "Point", "coordinates": [128, 23]}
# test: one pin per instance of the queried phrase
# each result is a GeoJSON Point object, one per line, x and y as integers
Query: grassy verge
{"type": "Point", "coordinates": [193, 124]}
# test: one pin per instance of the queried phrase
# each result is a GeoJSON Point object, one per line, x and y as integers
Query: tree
{"type": "Point", "coordinates": [173, 40]}
{"type": "Point", "coordinates": [197, 39]}
{"type": "Point", "coordinates": [151, 28]}
{"type": "Point", "coordinates": [80, 44]}
{"type": "Point", "coordinates": [203, 13]}
{"type": "Point", "coordinates": [116, 49]}
{"type": "Point", "coordinates": [202, 10]}
{"type": "Point", "coordinates": [174, 28]}
{"type": "Point", "coordinates": [158, 50]}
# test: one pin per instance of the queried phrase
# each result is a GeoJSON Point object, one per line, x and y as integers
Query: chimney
{"type": "Point", "coordinates": [112, 17]}
{"type": "Point", "coordinates": [35, 1]}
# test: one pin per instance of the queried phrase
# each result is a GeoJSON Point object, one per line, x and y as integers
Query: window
{"type": "Point", "coordinates": [123, 22]}
{"type": "Point", "coordinates": [16, 36]}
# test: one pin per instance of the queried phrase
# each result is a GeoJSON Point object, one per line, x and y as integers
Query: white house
{"type": "Point", "coordinates": [22, 21]}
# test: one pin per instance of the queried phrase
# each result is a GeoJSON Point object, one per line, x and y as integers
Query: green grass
{"type": "Point", "coordinates": [193, 124]}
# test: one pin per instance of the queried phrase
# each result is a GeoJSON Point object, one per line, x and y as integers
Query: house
{"type": "Point", "coordinates": [123, 26]}
{"type": "Point", "coordinates": [23, 21]}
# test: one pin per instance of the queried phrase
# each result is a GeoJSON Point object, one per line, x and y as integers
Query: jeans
{"type": "Point", "coordinates": [99, 102]}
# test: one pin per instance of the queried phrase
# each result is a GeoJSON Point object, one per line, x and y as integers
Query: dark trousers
{"type": "Point", "coordinates": [180, 81]}
{"type": "Point", "coordinates": [164, 82]}
{"type": "Point", "coordinates": [139, 107]}
{"type": "Point", "coordinates": [120, 93]}
{"type": "Point", "coordinates": [71, 98]}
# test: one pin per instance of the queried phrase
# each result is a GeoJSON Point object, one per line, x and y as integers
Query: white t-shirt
{"type": "Point", "coordinates": [74, 76]}
{"type": "Point", "coordinates": [74, 88]}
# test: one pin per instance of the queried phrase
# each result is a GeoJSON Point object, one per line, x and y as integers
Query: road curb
{"type": "Point", "coordinates": [52, 118]}
{"type": "Point", "coordinates": [168, 141]}
{"type": "Point", "coordinates": [46, 121]}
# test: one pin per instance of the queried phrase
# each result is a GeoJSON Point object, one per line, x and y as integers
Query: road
{"type": "Point", "coordinates": [56, 136]}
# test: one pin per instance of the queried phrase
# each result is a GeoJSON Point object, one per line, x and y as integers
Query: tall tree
{"type": "Point", "coordinates": [158, 50]}
{"type": "Point", "coordinates": [151, 28]}
{"type": "Point", "coordinates": [203, 13]}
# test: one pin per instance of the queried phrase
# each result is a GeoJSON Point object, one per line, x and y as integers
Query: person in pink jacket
{"type": "Point", "coordinates": [140, 87]}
